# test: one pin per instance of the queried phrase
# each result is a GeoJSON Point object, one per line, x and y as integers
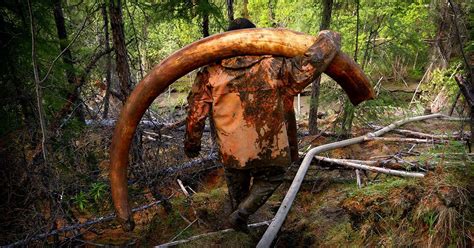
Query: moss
{"type": "Point", "coordinates": [384, 187]}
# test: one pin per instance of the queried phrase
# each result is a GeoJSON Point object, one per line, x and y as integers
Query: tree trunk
{"type": "Point", "coordinates": [230, 10]}
{"type": "Point", "coordinates": [118, 37]}
{"type": "Point", "coordinates": [314, 102]}
{"type": "Point", "coordinates": [67, 56]}
{"type": "Point", "coordinates": [122, 67]}
{"type": "Point", "coordinates": [108, 69]}
{"type": "Point", "coordinates": [465, 86]}
{"type": "Point", "coordinates": [245, 10]}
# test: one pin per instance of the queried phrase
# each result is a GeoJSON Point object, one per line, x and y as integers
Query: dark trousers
{"type": "Point", "coordinates": [249, 198]}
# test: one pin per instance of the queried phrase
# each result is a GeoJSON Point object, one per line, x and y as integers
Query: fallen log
{"type": "Point", "coordinates": [280, 216]}
{"type": "Point", "coordinates": [371, 168]}
{"type": "Point", "coordinates": [421, 135]}
{"type": "Point", "coordinates": [390, 162]}
{"type": "Point", "coordinates": [409, 140]}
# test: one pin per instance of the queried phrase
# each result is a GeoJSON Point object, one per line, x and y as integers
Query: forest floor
{"type": "Point", "coordinates": [330, 209]}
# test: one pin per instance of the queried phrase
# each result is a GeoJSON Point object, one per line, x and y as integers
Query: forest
{"type": "Point", "coordinates": [393, 171]}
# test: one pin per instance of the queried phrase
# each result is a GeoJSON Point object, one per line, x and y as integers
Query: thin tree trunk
{"type": "Point", "coordinates": [356, 49]}
{"type": "Point", "coordinates": [315, 86]}
{"type": "Point", "coordinates": [467, 86]}
{"type": "Point", "coordinates": [245, 10]}
{"type": "Point", "coordinates": [39, 93]}
{"type": "Point", "coordinates": [108, 69]}
{"type": "Point", "coordinates": [123, 68]}
{"type": "Point", "coordinates": [67, 56]}
{"type": "Point", "coordinates": [230, 10]}
{"type": "Point", "coordinates": [118, 37]}
{"type": "Point", "coordinates": [205, 24]}
{"type": "Point", "coordinates": [271, 12]}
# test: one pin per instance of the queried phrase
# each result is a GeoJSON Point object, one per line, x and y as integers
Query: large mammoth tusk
{"type": "Point", "coordinates": [278, 42]}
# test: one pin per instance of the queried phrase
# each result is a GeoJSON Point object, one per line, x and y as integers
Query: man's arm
{"type": "Point", "coordinates": [199, 100]}
{"type": "Point", "coordinates": [300, 71]}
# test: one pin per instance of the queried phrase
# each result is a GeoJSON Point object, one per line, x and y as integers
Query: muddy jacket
{"type": "Point", "coordinates": [250, 99]}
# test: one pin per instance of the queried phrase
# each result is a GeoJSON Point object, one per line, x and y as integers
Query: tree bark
{"type": "Point", "coordinates": [67, 56]}
{"type": "Point", "coordinates": [118, 37]}
{"type": "Point", "coordinates": [108, 69]}
{"type": "Point", "coordinates": [315, 85]}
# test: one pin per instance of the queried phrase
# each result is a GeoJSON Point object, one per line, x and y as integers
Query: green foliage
{"type": "Point", "coordinates": [93, 198]}
{"type": "Point", "coordinates": [98, 190]}
{"type": "Point", "coordinates": [430, 218]}
{"type": "Point", "coordinates": [81, 200]}
{"type": "Point", "coordinates": [441, 80]}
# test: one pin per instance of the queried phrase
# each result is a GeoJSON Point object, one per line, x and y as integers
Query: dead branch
{"type": "Point", "coordinates": [421, 135]}
{"type": "Point", "coordinates": [410, 140]}
{"type": "Point", "coordinates": [453, 106]}
{"type": "Point", "coordinates": [80, 225]}
{"type": "Point", "coordinates": [465, 89]}
{"type": "Point", "coordinates": [391, 162]}
{"type": "Point", "coordinates": [371, 168]}
{"type": "Point", "coordinates": [280, 217]}
{"type": "Point", "coordinates": [174, 243]}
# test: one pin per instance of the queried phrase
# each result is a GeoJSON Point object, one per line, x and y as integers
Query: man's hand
{"type": "Point", "coordinates": [192, 152]}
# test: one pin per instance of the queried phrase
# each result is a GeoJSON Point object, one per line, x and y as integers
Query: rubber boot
{"type": "Point", "coordinates": [239, 221]}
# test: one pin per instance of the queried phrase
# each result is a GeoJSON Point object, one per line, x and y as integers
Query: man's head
{"type": "Point", "coordinates": [240, 23]}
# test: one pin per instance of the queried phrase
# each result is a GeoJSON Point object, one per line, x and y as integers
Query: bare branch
{"type": "Point", "coordinates": [37, 85]}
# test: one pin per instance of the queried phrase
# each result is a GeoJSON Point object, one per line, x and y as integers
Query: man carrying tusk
{"type": "Point", "coordinates": [250, 101]}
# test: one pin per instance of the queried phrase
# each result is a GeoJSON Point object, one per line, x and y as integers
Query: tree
{"type": "Point", "coordinates": [230, 9]}
{"type": "Point", "coordinates": [245, 10]}
{"type": "Point", "coordinates": [122, 66]}
{"type": "Point", "coordinates": [120, 48]}
{"type": "Point", "coordinates": [67, 57]}
{"type": "Point", "coordinates": [313, 112]}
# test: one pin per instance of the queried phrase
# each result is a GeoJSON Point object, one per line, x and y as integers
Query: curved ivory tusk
{"type": "Point", "coordinates": [279, 42]}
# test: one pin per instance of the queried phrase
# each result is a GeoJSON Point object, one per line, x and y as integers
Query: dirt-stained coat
{"type": "Point", "coordinates": [250, 98]}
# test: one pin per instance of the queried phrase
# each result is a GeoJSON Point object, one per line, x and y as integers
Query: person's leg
{"type": "Point", "coordinates": [265, 182]}
{"type": "Point", "coordinates": [238, 184]}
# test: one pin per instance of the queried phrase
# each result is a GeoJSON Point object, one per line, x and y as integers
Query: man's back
{"type": "Point", "coordinates": [248, 110]}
